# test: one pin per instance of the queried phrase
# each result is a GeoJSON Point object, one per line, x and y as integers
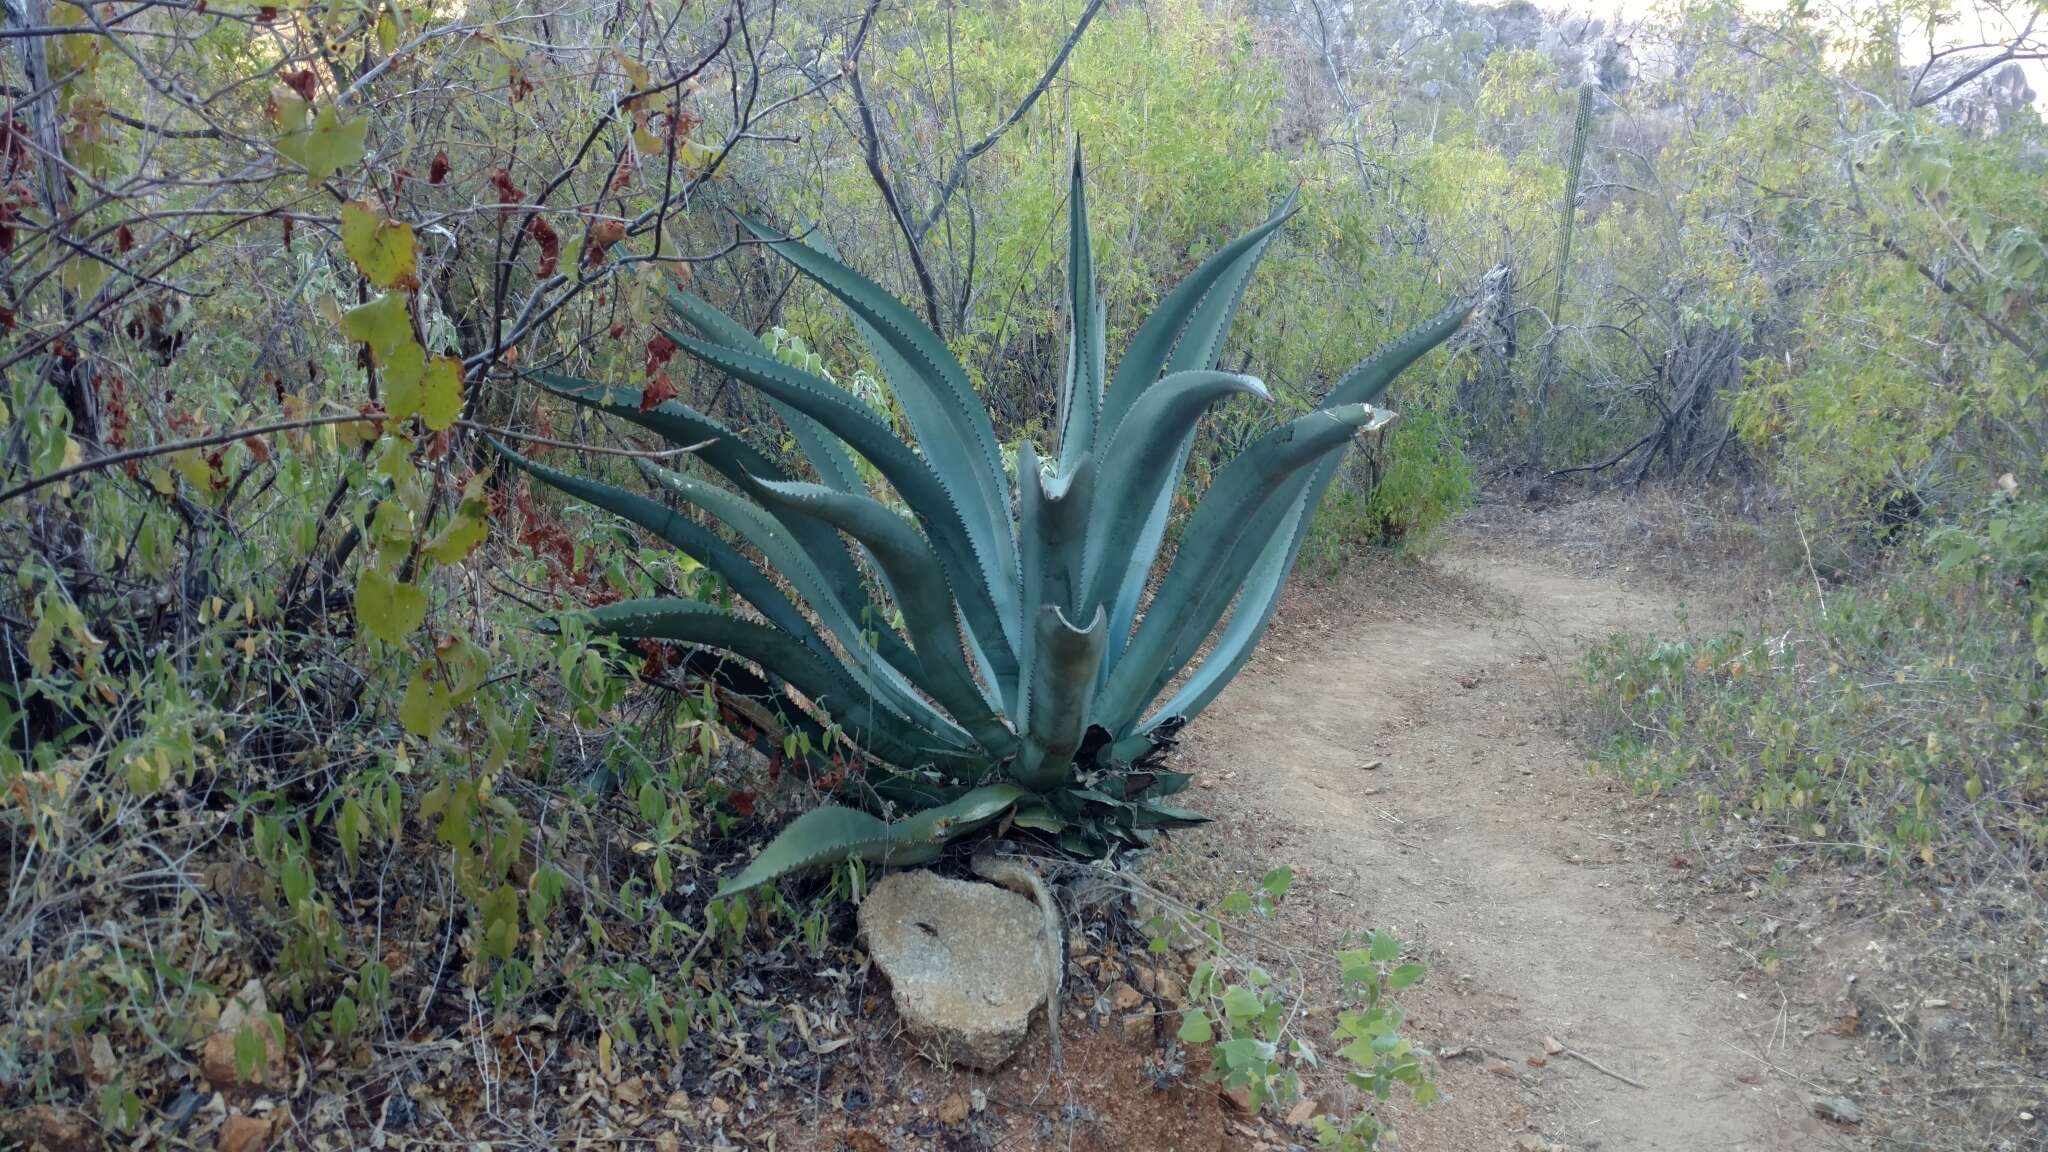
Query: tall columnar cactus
{"type": "Point", "coordinates": [1024, 681]}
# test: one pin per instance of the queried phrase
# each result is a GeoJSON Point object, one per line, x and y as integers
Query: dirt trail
{"type": "Point", "coordinates": [1481, 836]}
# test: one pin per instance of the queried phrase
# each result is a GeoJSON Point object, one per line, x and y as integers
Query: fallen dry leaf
{"type": "Point", "coordinates": [246, 1133]}
{"type": "Point", "coordinates": [953, 1110]}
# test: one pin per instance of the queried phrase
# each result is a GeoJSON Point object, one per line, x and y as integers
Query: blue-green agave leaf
{"type": "Point", "coordinates": [727, 454]}
{"type": "Point", "coordinates": [984, 604]}
{"type": "Point", "coordinates": [1149, 351]}
{"type": "Point", "coordinates": [1063, 662]}
{"type": "Point", "coordinates": [1258, 596]}
{"type": "Point", "coordinates": [1142, 464]}
{"type": "Point", "coordinates": [1201, 338]}
{"type": "Point", "coordinates": [1257, 570]}
{"type": "Point", "coordinates": [925, 598]}
{"type": "Point", "coordinates": [860, 638]}
{"type": "Point", "coordinates": [1087, 356]}
{"type": "Point", "coordinates": [828, 835]}
{"type": "Point", "coordinates": [820, 838]}
{"type": "Point", "coordinates": [1367, 381]}
{"type": "Point", "coordinates": [828, 457]}
{"type": "Point", "coordinates": [827, 683]}
{"type": "Point", "coordinates": [946, 415]}
{"type": "Point", "coordinates": [1238, 500]}
{"type": "Point", "coordinates": [693, 539]}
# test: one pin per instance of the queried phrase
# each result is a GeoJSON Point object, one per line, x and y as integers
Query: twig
{"type": "Point", "coordinates": [166, 449]}
{"type": "Point", "coordinates": [1817, 589]}
{"type": "Point", "coordinates": [1603, 1069]}
{"type": "Point", "coordinates": [635, 453]}
{"type": "Point", "coordinates": [218, 438]}
{"type": "Point", "coordinates": [1052, 71]}
{"type": "Point", "coordinates": [871, 151]}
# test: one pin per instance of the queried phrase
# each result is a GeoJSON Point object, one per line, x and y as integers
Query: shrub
{"type": "Point", "coordinates": [1896, 724]}
{"type": "Point", "coordinates": [1008, 672]}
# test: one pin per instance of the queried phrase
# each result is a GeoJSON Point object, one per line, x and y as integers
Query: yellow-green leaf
{"type": "Point", "coordinates": [382, 248]}
{"type": "Point", "coordinates": [382, 324]}
{"type": "Point", "coordinates": [441, 392]}
{"type": "Point", "coordinates": [403, 370]}
{"type": "Point", "coordinates": [387, 609]}
{"type": "Point", "coordinates": [325, 147]}
{"type": "Point", "coordinates": [391, 532]}
{"type": "Point", "coordinates": [426, 705]}
{"type": "Point", "coordinates": [82, 275]}
{"type": "Point", "coordinates": [463, 533]}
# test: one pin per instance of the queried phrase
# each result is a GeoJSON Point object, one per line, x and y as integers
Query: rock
{"type": "Point", "coordinates": [249, 1004]}
{"type": "Point", "coordinates": [1551, 1046]}
{"type": "Point", "coordinates": [1941, 1033]}
{"type": "Point", "coordinates": [1371, 765]}
{"type": "Point", "coordinates": [1125, 998]}
{"type": "Point", "coordinates": [965, 963]}
{"type": "Point", "coordinates": [1148, 980]}
{"type": "Point", "coordinates": [100, 1061]}
{"type": "Point", "coordinates": [1305, 1109]}
{"type": "Point", "coordinates": [217, 1060]}
{"type": "Point", "coordinates": [47, 1127]}
{"type": "Point", "coordinates": [1138, 1029]}
{"type": "Point", "coordinates": [222, 1070]}
{"type": "Point", "coordinates": [248, 1012]}
{"type": "Point", "coordinates": [1500, 1067]}
{"type": "Point", "coordinates": [1839, 1109]}
{"type": "Point", "coordinates": [1240, 1100]}
{"type": "Point", "coordinates": [1171, 990]}
{"type": "Point", "coordinates": [247, 1133]}
{"type": "Point", "coordinates": [953, 1110]}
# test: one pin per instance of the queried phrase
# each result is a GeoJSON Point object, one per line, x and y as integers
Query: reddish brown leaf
{"type": "Point", "coordinates": [303, 81]}
{"type": "Point", "coordinates": [258, 450]}
{"type": "Point", "coordinates": [123, 239]}
{"type": "Point", "coordinates": [603, 235]}
{"type": "Point", "coordinates": [544, 238]}
{"type": "Point", "coordinates": [660, 350]}
{"type": "Point", "coordinates": [439, 170]}
{"type": "Point", "coordinates": [288, 233]}
{"type": "Point", "coordinates": [266, 13]}
{"type": "Point", "coordinates": [658, 390]}
{"type": "Point", "coordinates": [14, 143]}
{"type": "Point", "coordinates": [508, 192]}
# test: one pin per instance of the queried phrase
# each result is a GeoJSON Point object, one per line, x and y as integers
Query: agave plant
{"type": "Point", "coordinates": [1024, 682]}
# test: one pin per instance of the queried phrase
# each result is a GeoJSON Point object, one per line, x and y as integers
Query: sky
{"type": "Point", "coordinates": [1975, 23]}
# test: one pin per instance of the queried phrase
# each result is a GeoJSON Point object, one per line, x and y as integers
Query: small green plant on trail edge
{"type": "Point", "coordinates": [1021, 686]}
{"type": "Point", "coordinates": [1253, 1024]}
